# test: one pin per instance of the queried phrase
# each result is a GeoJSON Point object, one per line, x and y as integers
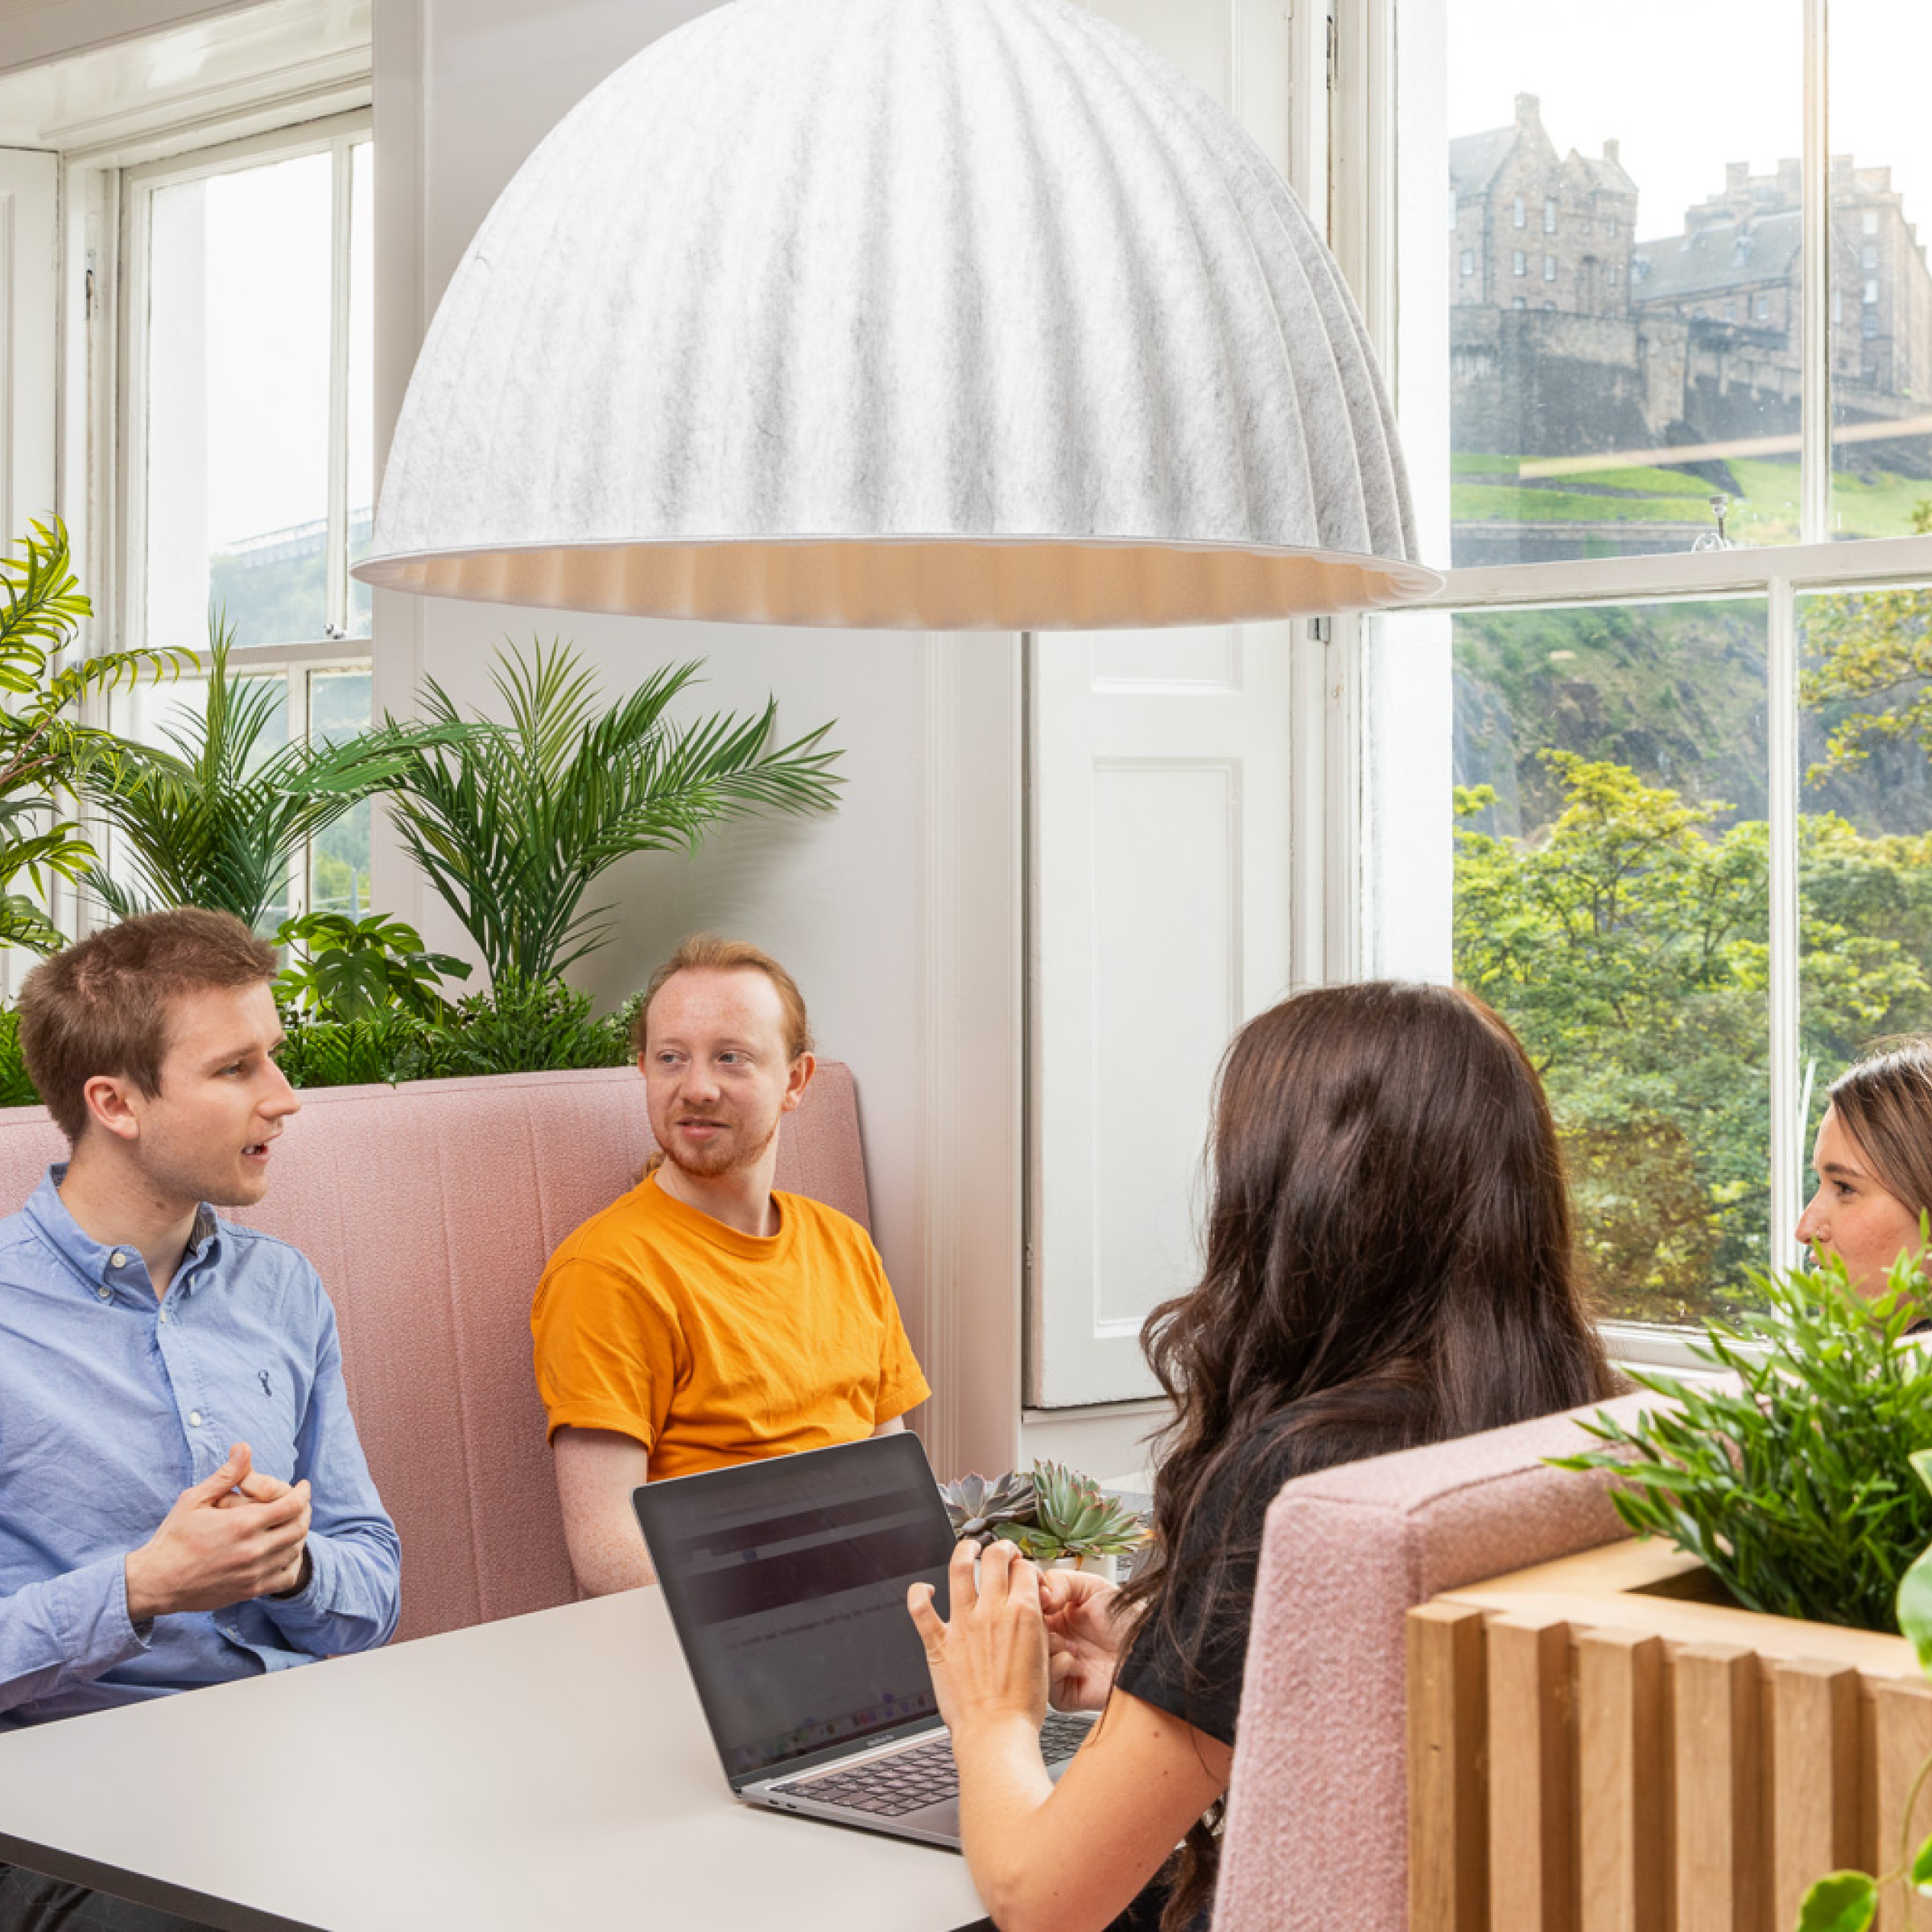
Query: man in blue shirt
{"type": "Point", "coordinates": [183, 1499]}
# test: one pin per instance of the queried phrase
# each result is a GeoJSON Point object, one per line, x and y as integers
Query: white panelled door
{"type": "Point", "coordinates": [1160, 891]}
{"type": "Point", "coordinates": [1160, 921]}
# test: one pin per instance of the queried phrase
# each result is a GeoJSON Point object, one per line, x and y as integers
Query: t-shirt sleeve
{"type": "Point", "coordinates": [903, 1383]}
{"type": "Point", "coordinates": [1191, 1664]}
{"type": "Point", "coordinates": [607, 1351]}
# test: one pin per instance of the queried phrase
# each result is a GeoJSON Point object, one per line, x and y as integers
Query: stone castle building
{"type": "Point", "coordinates": [1568, 335]}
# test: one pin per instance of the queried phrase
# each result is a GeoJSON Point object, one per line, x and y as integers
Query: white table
{"type": "Point", "coordinates": [550, 1771]}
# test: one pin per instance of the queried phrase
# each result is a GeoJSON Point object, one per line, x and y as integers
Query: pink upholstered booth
{"type": "Point", "coordinates": [1316, 1821]}
{"type": "Point", "coordinates": [430, 1210]}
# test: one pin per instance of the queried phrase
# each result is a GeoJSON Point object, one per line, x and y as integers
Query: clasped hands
{"type": "Point", "coordinates": [240, 1533]}
{"type": "Point", "coordinates": [1019, 1638]}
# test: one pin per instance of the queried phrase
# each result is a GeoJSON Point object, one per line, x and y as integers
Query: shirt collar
{"type": "Point", "coordinates": [93, 1262]}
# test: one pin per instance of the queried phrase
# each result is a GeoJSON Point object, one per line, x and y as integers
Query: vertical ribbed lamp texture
{"type": "Point", "coordinates": [933, 314]}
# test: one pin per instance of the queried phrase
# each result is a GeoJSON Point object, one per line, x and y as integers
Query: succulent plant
{"type": "Point", "coordinates": [1072, 1517]}
{"type": "Point", "coordinates": [979, 1505]}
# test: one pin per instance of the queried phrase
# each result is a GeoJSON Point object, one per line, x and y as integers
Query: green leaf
{"type": "Point", "coordinates": [1921, 1874]}
{"type": "Point", "coordinates": [1842, 1902]}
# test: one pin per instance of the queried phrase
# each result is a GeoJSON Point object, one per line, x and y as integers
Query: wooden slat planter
{"type": "Point", "coordinates": [1603, 1745]}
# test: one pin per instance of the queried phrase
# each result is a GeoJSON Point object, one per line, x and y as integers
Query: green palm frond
{"type": "Point", "coordinates": [46, 754]}
{"type": "Point", "coordinates": [215, 815]}
{"type": "Point", "coordinates": [512, 823]}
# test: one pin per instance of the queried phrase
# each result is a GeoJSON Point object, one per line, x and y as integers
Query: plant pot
{"type": "Point", "coordinates": [1106, 1568]}
{"type": "Point", "coordinates": [1606, 1741]}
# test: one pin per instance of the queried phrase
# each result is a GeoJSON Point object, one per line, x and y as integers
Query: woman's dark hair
{"type": "Point", "coordinates": [1388, 1263]}
{"type": "Point", "coordinates": [1885, 1104]}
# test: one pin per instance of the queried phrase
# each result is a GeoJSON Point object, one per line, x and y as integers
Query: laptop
{"type": "Point", "coordinates": [786, 1579]}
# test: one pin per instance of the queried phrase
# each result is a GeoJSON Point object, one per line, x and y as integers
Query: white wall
{"type": "Point", "coordinates": [899, 913]}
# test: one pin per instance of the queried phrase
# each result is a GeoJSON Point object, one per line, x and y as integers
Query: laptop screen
{"type": "Point", "coordinates": [786, 1581]}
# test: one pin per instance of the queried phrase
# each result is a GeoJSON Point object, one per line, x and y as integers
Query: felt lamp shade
{"type": "Point", "coordinates": [937, 314]}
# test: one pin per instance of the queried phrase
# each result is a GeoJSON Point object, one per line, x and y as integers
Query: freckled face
{"type": "Point", "coordinates": [717, 1077]}
{"type": "Point", "coordinates": [1851, 1215]}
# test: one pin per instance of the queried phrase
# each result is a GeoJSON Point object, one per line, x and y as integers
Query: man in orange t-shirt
{"type": "Point", "coordinates": [703, 1320]}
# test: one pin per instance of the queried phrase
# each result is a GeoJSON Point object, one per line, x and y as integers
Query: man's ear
{"type": "Point", "coordinates": [802, 1068]}
{"type": "Point", "coordinates": [110, 1106]}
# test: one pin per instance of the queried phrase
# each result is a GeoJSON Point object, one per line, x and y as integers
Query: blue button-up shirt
{"type": "Point", "coordinates": [111, 1404]}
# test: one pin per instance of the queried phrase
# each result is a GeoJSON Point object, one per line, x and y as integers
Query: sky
{"type": "Point", "coordinates": [1686, 86]}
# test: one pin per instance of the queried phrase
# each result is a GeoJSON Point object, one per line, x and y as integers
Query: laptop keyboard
{"type": "Point", "coordinates": [922, 1774]}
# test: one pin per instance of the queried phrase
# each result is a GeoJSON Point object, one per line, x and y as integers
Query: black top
{"type": "Point", "coordinates": [1185, 1631]}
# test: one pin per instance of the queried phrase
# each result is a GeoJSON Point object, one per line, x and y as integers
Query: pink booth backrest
{"type": "Point", "coordinates": [429, 1211]}
{"type": "Point", "coordinates": [1317, 1829]}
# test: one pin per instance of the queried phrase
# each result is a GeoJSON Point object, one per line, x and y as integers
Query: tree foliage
{"type": "Point", "coordinates": [1628, 949]}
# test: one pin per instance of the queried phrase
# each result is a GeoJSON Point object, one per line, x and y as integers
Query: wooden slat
{"type": "Point", "coordinates": [1902, 1720]}
{"type": "Point", "coordinates": [1622, 1815]}
{"type": "Point", "coordinates": [1532, 1855]}
{"type": "Point", "coordinates": [1717, 1747]}
{"type": "Point", "coordinates": [1448, 1795]}
{"type": "Point", "coordinates": [1814, 1777]}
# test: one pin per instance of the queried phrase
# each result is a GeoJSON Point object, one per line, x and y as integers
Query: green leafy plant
{"type": "Point", "coordinates": [979, 1505]}
{"type": "Point", "coordinates": [1847, 1902]}
{"type": "Point", "coordinates": [17, 1088]}
{"type": "Point", "coordinates": [217, 819]}
{"type": "Point", "coordinates": [354, 969]}
{"type": "Point", "coordinates": [521, 1026]}
{"type": "Point", "coordinates": [382, 1047]}
{"type": "Point", "coordinates": [45, 751]}
{"type": "Point", "coordinates": [1792, 1486]}
{"type": "Point", "coordinates": [514, 824]}
{"type": "Point", "coordinates": [1069, 1515]}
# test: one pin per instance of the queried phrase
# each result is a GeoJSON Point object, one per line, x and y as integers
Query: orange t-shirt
{"type": "Point", "coordinates": [710, 1346]}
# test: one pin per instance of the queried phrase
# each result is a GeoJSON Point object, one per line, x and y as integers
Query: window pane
{"type": "Point", "coordinates": [237, 410]}
{"type": "Point", "coordinates": [1881, 310]}
{"type": "Point", "coordinates": [1864, 829]}
{"type": "Point", "coordinates": [1602, 419]}
{"type": "Point", "coordinates": [338, 860]}
{"type": "Point", "coordinates": [361, 374]}
{"type": "Point", "coordinates": [1612, 903]}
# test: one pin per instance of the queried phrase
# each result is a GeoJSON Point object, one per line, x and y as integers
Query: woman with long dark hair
{"type": "Point", "coordinates": [1873, 1159]}
{"type": "Point", "coordinates": [1388, 1263]}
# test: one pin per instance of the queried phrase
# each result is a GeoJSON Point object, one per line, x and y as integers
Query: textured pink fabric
{"type": "Point", "coordinates": [1317, 1819]}
{"type": "Point", "coordinates": [429, 1211]}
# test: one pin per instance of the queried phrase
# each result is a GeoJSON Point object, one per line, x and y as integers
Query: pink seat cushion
{"type": "Point", "coordinates": [429, 1211]}
{"type": "Point", "coordinates": [1317, 1816]}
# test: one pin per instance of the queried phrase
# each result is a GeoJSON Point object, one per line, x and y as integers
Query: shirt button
{"type": "Point", "coordinates": [164, 1315]}
{"type": "Point", "coordinates": [118, 1258]}
{"type": "Point", "coordinates": [194, 1416]}
{"type": "Point", "coordinates": [103, 1293]}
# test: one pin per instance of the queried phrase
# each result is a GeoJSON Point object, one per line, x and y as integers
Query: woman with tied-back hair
{"type": "Point", "coordinates": [1388, 1263]}
{"type": "Point", "coordinates": [1873, 1159]}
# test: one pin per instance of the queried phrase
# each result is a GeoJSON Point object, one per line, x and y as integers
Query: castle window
{"type": "Point", "coordinates": [1869, 220]}
{"type": "Point", "coordinates": [1764, 308]}
{"type": "Point", "coordinates": [1730, 312]}
{"type": "Point", "coordinates": [1549, 268]}
{"type": "Point", "coordinates": [1610, 225]}
{"type": "Point", "coordinates": [1549, 215]}
{"type": "Point", "coordinates": [1517, 302]}
{"type": "Point", "coordinates": [1871, 323]}
{"type": "Point", "coordinates": [1872, 290]}
{"type": "Point", "coordinates": [1867, 258]}
{"type": "Point", "coordinates": [1518, 213]}
{"type": "Point", "coordinates": [1613, 274]}
{"type": "Point", "coordinates": [1468, 261]}
{"type": "Point", "coordinates": [1519, 263]}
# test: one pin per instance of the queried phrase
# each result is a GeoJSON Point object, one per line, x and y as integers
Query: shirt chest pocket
{"type": "Point", "coordinates": [261, 1404]}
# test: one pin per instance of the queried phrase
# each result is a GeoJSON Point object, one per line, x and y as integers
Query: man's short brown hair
{"type": "Point", "coordinates": [705, 952]}
{"type": "Point", "coordinates": [100, 1005]}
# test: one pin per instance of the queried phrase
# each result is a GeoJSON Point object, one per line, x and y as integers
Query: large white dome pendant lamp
{"type": "Point", "coordinates": [931, 314]}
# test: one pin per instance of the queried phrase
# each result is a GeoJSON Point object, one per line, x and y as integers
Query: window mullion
{"type": "Point", "coordinates": [1787, 1129]}
{"type": "Point", "coordinates": [336, 580]}
{"type": "Point", "coordinates": [1814, 293]}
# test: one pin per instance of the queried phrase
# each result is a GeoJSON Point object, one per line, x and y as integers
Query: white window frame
{"type": "Point", "coordinates": [1780, 576]}
{"type": "Point", "coordinates": [117, 420]}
